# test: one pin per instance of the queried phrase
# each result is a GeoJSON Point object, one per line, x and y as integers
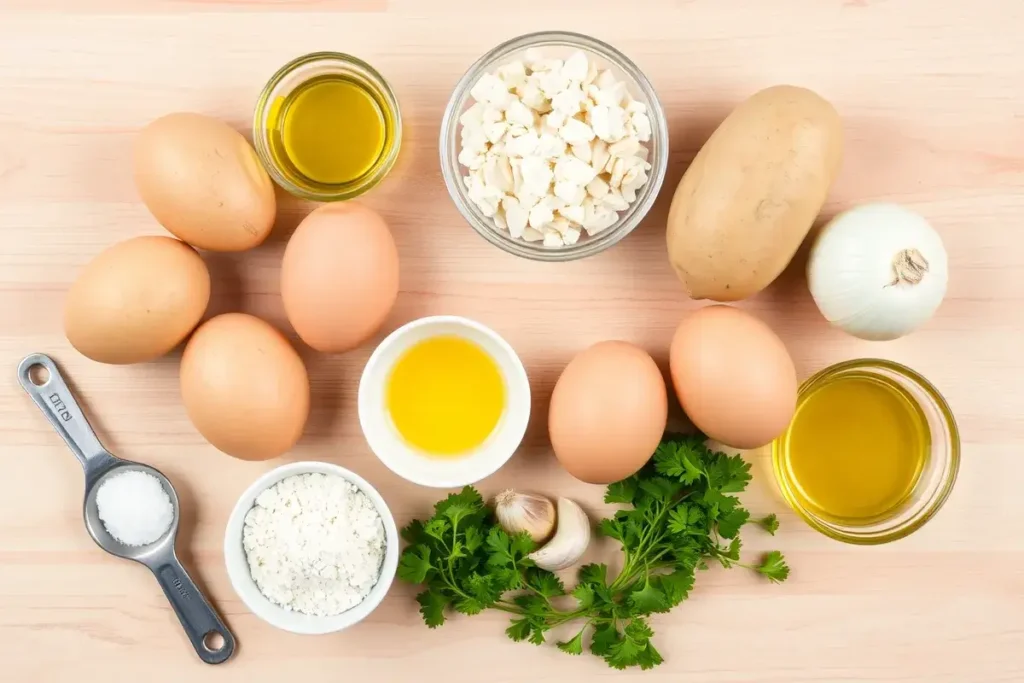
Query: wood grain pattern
{"type": "Point", "coordinates": [932, 99]}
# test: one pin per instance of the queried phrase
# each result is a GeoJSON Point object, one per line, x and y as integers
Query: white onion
{"type": "Point", "coordinates": [878, 271]}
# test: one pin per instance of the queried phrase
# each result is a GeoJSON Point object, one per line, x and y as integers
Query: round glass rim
{"type": "Point", "coordinates": [636, 212]}
{"type": "Point", "coordinates": [937, 500]}
{"type": "Point", "coordinates": [349, 190]}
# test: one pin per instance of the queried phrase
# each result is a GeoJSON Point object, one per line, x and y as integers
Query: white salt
{"type": "Point", "coordinates": [134, 507]}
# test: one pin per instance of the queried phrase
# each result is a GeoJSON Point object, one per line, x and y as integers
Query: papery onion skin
{"type": "Point", "coordinates": [878, 271]}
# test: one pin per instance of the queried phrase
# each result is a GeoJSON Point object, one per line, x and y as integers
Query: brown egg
{"type": "Point", "coordinates": [137, 300]}
{"type": "Point", "coordinates": [339, 276]}
{"type": "Point", "coordinates": [734, 377]}
{"type": "Point", "coordinates": [244, 387]}
{"type": "Point", "coordinates": [203, 181]}
{"type": "Point", "coordinates": [608, 412]}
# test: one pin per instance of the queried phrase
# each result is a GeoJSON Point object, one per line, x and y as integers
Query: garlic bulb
{"type": "Point", "coordinates": [517, 512]}
{"type": "Point", "coordinates": [878, 271]}
{"type": "Point", "coordinates": [570, 540]}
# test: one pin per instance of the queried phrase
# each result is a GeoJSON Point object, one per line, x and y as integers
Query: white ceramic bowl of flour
{"type": "Point", "coordinates": [276, 615]}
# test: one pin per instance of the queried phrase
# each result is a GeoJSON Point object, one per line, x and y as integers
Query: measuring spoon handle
{"type": "Point", "coordinates": [57, 402]}
{"type": "Point", "coordinates": [194, 612]}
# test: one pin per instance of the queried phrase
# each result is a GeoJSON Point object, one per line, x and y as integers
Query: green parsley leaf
{"type": "Point", "coordinates": [473, 539]}
{"type": "Point", "coordinates": [679, 459]}
{"type": "Point", "coordinates": [729, 523]}
{"type": "Point", "coordinates": [544, 582]}
{"type": "Point", "coordinates": [507, 550]}
{"type": "Point", "coordinates": [625, 653]}
{"type": "Point", "coordinates": [649, 598]}
{"type": "Point", "coordinates": [731, 554]}
{"type": "Point", "coordinates": [519, 630]}
{"type": "Point", "coordinates": [532, 604]}
{"type": "Point", "coordinates": [612, 528]}
{"type": "Point", "coordinates": [438, 528]}
{"type": "Point", "coordinates": [594, 573]}
{"type": "Point", "coordinates": [537, 637]}
{"type": "Point", "coordinates": [414, 565]}
{"type": "Point", "coordinates": [574, 646]}
{"type": "Point", "coordinates": [457, 505]}
{"type": "Point", "coordinates": [605, 637]}
{"type": "Point", "coordinates": [584, 594]}
{"type": "Point", "coordinates": [774, 567]}
{"type": "Point", "coordinates": [770, 523]}
{"type": "Point", "coordinates": [675, 586]}
{"type": "Point", "coordinates": [432, 604]}
{"type": "Point", "coordinates": [659, 488]}
{"type": "Point", "coordinates": [469, 605]}
{"type": "Point", "coordinates": [679, 519]}
{"type": "Point", "coordinates": [728, 473]}
{"type": "Point", "coordinates": [413, 532]}
{"type": "Point", "coordinates": [621, 491]}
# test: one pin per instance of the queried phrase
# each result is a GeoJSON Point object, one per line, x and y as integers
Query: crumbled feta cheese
{"type": "Point", "coordinates": [531, 235]}
{"type": "Point", "coordinates": [550, 147]}
{"type": "Point", "coordinates": [537, 175]}
{"type": "Point", "coordinates": [572, 169]}
{"type": "Point", "coordinates": [553, 148]}
{"type": "Point", "coordinates": [576, 132]}
{"type": "Point", "coordinates": [597, 188]}
{"type": "Point", "coordinates": [552, 239]}
{"type": "Point", "coordinates": [518, 114]}
{"type": "Point", "coordinates": [490, 89]}
{"type": "Point", "coordinates": [576, 67]}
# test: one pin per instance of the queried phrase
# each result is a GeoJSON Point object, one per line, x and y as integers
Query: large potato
{"type": "Point", "coordinates": [203, 181]}
{"type": "Point", "coordinates": [752, 193]}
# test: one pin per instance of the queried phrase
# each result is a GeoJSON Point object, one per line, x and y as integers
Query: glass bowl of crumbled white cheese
{"type": "Point", "coordinates": [554, 146]}
{"type": "Point", "coordinates": [311, 548]}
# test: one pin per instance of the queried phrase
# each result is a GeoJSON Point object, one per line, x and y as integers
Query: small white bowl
{"type": "Point", "coordinates": [406, 461]}
{"type": "Point", "coordinates": [275, 615]}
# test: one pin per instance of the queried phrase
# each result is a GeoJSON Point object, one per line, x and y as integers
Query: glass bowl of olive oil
{"type": "Point", "coordinates": [327, 127]}
{"type": "Point", "coordinates": [872, 452]}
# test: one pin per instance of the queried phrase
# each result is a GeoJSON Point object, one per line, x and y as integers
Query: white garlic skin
{"type": "Point", "coordinates": [570, 541]}
{"type": "Point", "coordinates": [529, 512]}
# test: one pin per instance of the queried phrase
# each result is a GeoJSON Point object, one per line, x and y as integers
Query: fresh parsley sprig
{"type": "Point", "coordinates": [680, 513]}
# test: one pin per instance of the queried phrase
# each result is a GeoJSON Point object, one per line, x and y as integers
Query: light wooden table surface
{"type": "Point", "coordinates": [932, 95]}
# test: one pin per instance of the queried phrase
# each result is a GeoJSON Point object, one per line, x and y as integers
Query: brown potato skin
{"type": "Point", "coordinates": [753, 192]}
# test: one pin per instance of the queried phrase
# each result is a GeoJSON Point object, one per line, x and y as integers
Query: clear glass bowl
{"type": "Point", "coordinates": [938, 474]}
{"type": "Point", "coordinates": [560, 45]}
{"type": "Point", "coordinates": [267, 137]}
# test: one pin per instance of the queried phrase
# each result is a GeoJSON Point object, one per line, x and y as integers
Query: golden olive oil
{"type": "Point", "coordinates": [329, 131]}
{"type": "Point", "coordinates": [445, 396]}
{"type": "Point", "coordinates": [855, 449]}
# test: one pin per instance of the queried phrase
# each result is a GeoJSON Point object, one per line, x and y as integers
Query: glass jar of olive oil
{"type": "Point", "coordinates": [327, 126]}
{"type": "Point", "coordinates": [871, 454]}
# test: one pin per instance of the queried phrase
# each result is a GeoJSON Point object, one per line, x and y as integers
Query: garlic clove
{"type": "Point", "coordinates": [529, 512]}
{"type": "Point", "coordinates": [570, 541]}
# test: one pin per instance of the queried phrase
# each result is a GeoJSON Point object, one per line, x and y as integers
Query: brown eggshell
{"type": "Point", "coordinates": [203, 181]}
{"type": "Point", "coordinates": [608, 412]}
{"type": "Point", "coordinates": [137, 300]}
{"type": "Point", "coordinates": [734, 377]}
{"type": "Point", "coordinates": [244, 387]}
{"type": "Point", "coordinates": [339, 276]}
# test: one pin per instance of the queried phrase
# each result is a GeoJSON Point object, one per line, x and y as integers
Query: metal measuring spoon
{"type": "Point", "coordinates": [197, 617]}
